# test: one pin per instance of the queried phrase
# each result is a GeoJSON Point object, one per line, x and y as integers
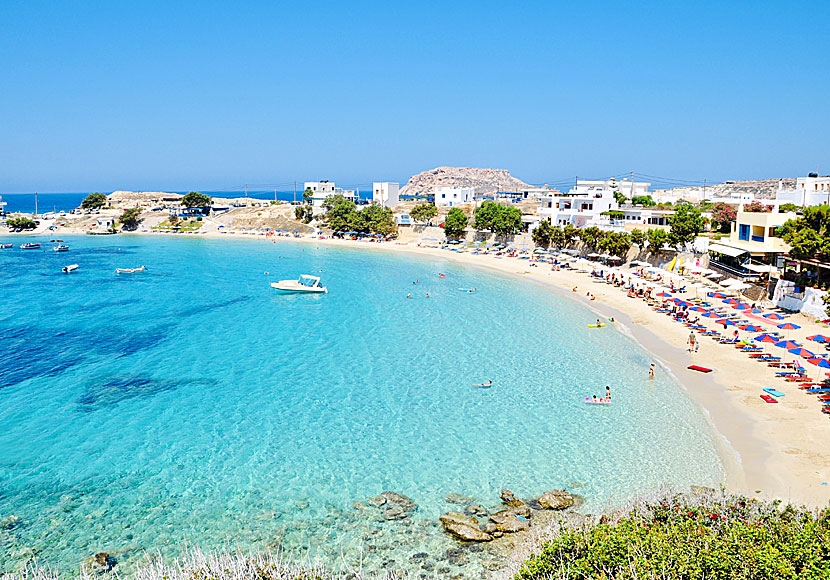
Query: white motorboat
{"type": "Point", "coordinates": [305, 283]}
{"type": "Point", "coordinates": [69, 268]}
{"type": "Point", "coordinates": [128, 270]}
{"type": "Point", "coordinates": [61, 248]}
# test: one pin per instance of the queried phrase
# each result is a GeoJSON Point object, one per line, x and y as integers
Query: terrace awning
{"type": "Point", "coordinates": [727, 250]}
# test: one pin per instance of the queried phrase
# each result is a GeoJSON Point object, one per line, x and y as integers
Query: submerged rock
{"type": "Point", "coordinates": [10, 522]}
{"type": "Point", "coordinates": [464, 527]}
{"type": "Point", "coordinates": [476, 510]}
{"type": "Point", "coordinates": [459, 499]}
{"type": "Point", "coordinates": [556, 499]}
{"type": "Point", "coordinates": [400, 500]}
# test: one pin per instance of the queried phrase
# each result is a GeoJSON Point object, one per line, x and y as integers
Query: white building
{"type": "Point", "coordinates": [453, 196]}
{"type": "Point", "coordinates": [2, 206]}
{"type": "Point", "coordinates": [585, 203]}
{"type": "Point", "coordinates": [809, 191]}
{"type": "Point", "coordinates": [105, 223]}
{"type": "Point", "coordinates": [320, 190]}
{"type": "Point", "coordinates": [385, 193]}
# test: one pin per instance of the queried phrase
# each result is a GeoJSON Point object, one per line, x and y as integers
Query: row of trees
{"type": "Point", "coordinates": [597, 240]}
{"type": "Point", "coordinates": [342, 215]}
{"type": "Point", "coordinates": [809, 235]}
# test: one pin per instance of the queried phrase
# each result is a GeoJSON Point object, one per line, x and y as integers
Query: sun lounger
{"type": "Point", "coordinates": [774, 392]}
{"type": "Point", "coordinates": [815, 391]}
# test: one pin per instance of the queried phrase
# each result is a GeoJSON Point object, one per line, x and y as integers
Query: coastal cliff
{"type": "Point", "coordinates": [485, 181]}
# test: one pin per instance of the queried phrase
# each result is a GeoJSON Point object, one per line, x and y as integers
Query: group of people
{"type": "Point", "coordinates": [607, 399]}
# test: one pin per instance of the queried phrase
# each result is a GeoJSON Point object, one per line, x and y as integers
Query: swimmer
{"type": "Point", "coordinates": [598, 322]}
{"type": "Point", "coordinates": [487, 384]}
{"type": "Point", "coordinates": [651, 371]}
{"type": "Point", "coordinates": [607, 393]}
{"type": "Point", "coordinates": [427, 294]}
{"type": "Point", "coordinates": [611, 319]}
{"type": "Point", "coordinates": [409, 295]}
{"type": "Point", "coordinates": [594, 399]}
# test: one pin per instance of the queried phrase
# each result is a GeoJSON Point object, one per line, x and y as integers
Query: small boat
{"type": "Point", "coordinates": [128, 270]}
{"type": "Point", "coordinates": [4, 246]}
{"type": "Point", "coordinates": [61, 248]}
{"type": "Point", "coordinates": [69, 268]}
{"type": "Point", "coordinates": [30, 246]}
{"type": "Point", "coordinates": [305, 283]}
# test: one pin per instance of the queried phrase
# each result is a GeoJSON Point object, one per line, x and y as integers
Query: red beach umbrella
{"type": "Point", "coordinates": [819, 362]}
{"type": "Point", "coordinates": [773, 316]}
{"type": "Point", "coordinates": [698, 309]}
{"type": "Point", "coordinates": [819, 338]}
{"type": "Point", "coordinates": [726, 322]}
{"type": "Point", "coordinates": [741, 306]}
{"type": "Point", "coordinates": [765, 338]}
{"type": "Point", "coordinates": [711, 315]}
{"type": "Point", "coordinates": [788, 344]}
{"type": "Point", "coordinates": [663, 295]}
{"type": "Point", "coordinates": [802, 352]}
{"type": "Point", "coordinates": [751, 328]}
{"type": "Point", "coordinates": [716, 295]}
{"type": "Point", "coordinates": [788, 326]}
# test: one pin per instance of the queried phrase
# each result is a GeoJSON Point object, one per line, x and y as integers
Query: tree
{"type": "Point", "coordinates": [307, 195]}
{"type": "Point", "coordinates": [569, 233]}
{"type": "Point", "coordinates": [809, 235]}
{"type": "Point", "coordinates": [423, 212]}
{"type": "Point", "coordinates": [615, 243]}
{"type": "Point", "coordinates": [686, 224]}
{"type": "Point", "coordinates": [499, 219]}
{"type": "Point", "coordinates": [22, 223]}
{"type": "Point", "coordinates": [304, 213]}
{"type": "Point", "coordinates": [620, 197]}
{"type": "Point", "coordinates": [590, 237]}
{"type": "Point", "coordinates": [130, 218]}
{"type": "Point", "coordinates": [644, 200]}
{"type": "Point", "coordinates": [543, 234]}
{"type": "Point", "coordinates": [723, 215]}
{"type": "Point", "coordinates": [557, 236]}
{"type": "Point", "coordinates": [377, 220]}
{"type": "Point", "coordinates": [656, 239]}
{"type": "Point", "coordinates": [196, 199]}
{"type": "Point", "coordinates": [788, 207]}
{"type": "Point", "coordinates": [94, 201]}
{"type": "Point", "coordinates": [455, 223]}
{"type": "Point", "coordinates": [614, 214]}
{"type": "Point", "coordinates": [638, 238]}
{"type": "Point", "coordinates": [339, 212]}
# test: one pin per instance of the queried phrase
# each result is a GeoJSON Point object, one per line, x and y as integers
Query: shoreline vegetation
{"type": "Point", "coordinates": [702, 534]}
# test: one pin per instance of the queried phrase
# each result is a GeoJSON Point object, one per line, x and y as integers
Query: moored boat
{"type": "Point", "coordinates": [61, 248]}
{"type": "Point", "coordinates": [305, 283]}
{"type": "Point", "coordinates": [128, 270]}
{"type": "Point", "coordinates": [69, 268]}
{"type": "Point", "coordinates": [30, 246]}
{"type": "Point", "coordinates": [4, 246]}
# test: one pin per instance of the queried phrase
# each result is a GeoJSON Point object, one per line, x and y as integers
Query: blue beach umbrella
{"type": "Point", "coordinates": [773, 316]}
{"type": "Point", "coordinates": [788, 326]}
{"type": "Point", "coordinates": [788, 344]}
{"type": "Point", "coordinates": [802, 352]}
{"type": "Point", "coordinates": [726, 322]}
{"type": "Point", "coordinates": [820, 362]}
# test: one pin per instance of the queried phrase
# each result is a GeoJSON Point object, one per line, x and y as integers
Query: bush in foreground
{"type": "Point", "coordinates": [714, 536]}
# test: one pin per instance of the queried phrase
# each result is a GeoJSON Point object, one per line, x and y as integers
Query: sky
{"type": "Point", "coordinates": [211, 95]}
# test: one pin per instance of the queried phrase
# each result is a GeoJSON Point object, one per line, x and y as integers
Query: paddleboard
{"type": "Point", "coordinates": [774, 392]}
{"type": "Point", "coordinates": [699, 369]}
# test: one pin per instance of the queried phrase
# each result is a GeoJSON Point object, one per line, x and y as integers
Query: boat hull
{"type": "Point", "coordinates": [295, 288]}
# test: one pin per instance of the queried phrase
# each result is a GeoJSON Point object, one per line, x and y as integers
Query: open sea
{"type": "Point", "coordinates": [193, 404]}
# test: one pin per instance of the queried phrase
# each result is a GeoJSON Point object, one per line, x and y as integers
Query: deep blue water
{"type": "Point", "coordinates": [192, 402]}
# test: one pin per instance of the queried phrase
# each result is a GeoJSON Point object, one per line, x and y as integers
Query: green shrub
{"type": "Point", "coordinates": [690, 538]}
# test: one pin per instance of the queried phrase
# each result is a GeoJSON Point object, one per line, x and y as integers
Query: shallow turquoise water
{"type": "Point", "coordinates": [193, 403]}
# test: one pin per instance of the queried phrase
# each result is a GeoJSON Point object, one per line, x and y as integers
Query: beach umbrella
{"type": "Point", "coordinates": [802, 352]}
{"type": "Point", "coordinates": [698, 309]}
{"type": "Point", "coordinates": [788, 344]}
{"type": "Point", "coordinates": [788, 326]}
{"type": "Point", "coordinates": [765, 338]}
{"type": "Point", "coordinates": [716, 295]}
{"type": "Point", "coordinates": [712, 315]}
{"type": "Point", "coordinates": [820, 362]}
{"type": "Point", "coordinates": [741, 306]}
{"type": "Point", "coordinates": [726, 322]}
{"type": "Point", "coordinates": [819, 338]}
{"type": "Point", "coordinates": [664, 295]}
{"type": "Point", "coordinates": [757, 311]}
{"type": "Point", "coordinates": [773, 316]}
{"type": "Point", "coordinates": [730, 301]}
{"type": "Point", "coordinates": [751, 328]}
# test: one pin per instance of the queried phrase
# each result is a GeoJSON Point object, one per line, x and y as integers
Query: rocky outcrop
{"type": "Point", "coordinates": [464, 528]}
{"type": "Point", "coordinates": [141, 199]}
{"type": "Point", "coordinates": [508, 498]}
{"type": "Point", "coordinates": [507, 521]}
{"type": "Point", "coordinates": [100, 563]}
{"type": "Point", "coordinates": [556, 499]}
{"type": "Point", "coordinates": [485, 181]}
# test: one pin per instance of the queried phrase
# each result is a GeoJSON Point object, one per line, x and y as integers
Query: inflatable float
{"type": "Point", "coordinates": [600, 325]}
{"type": "Point", "coordinates": [699, 369]}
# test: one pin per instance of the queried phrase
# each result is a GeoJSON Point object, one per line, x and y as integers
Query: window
{"type": "Point", "coordinates": [743, 232]}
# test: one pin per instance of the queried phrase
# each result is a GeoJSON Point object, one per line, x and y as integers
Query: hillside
{"type": "Point", "coordinates": [485, 181]}
{"type": "Point", "coordinates": [761, 188]}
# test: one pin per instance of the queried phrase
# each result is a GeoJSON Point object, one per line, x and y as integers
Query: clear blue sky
{"type": "Point", "coordinates": [180, 95]}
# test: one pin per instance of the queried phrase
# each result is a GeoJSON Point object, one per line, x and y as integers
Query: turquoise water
{"type": "Point", "coordinates": [193, 403]}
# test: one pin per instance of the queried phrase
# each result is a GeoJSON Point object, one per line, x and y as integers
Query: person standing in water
{"type": "Point", "coordinates": [607, 393]}
{"type": "Point", "coordinates": [651, 371]}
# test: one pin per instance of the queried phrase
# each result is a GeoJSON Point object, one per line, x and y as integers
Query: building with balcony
{"type": "Point", "coordinates": [753, 247]}
{"type": "Point", "coordinates": [585, 204]}
{"type": "Point", "coordinates": [385, 193]}
{"type": "Point", "coordinates": [320, 190]}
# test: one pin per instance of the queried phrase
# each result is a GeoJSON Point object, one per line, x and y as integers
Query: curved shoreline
{"type": "Point", "coordinates": [762, 456]}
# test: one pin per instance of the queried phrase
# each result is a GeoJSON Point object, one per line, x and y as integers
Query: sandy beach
{"type": "Point", "coordinates": [768, 450]}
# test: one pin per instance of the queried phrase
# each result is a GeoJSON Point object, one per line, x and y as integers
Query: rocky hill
{"type": "Point", "coordinates": [485, 181]}
{"type": "Point", "coordinates": [761, 188]}
{"type": "Point", "coordinates": [142, 199]}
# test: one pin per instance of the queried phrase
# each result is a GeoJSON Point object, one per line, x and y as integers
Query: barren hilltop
{"type": "Point", "coordinates": [761, 188]}
{"type": "Point", "coordinates": [484, 180]}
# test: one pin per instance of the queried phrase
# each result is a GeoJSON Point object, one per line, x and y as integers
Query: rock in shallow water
{"type": "Point", "coordinates": [100, 563]}
{"type": "Point", "coordinates": [556, 499]}
{"type": "Point", "coordinates": [507, 521]}
{"type": "Point", "coordinates": [464, 527]}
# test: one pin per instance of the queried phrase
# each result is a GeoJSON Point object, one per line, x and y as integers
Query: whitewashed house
{"type": "Point", "coordinates": [809, 191]}
{"type": "Point", "coordinates": [385, 193]}
{"type": "Point", "coordinates": [320, 190]}
{"type": "Point", "coordinates": [105, 222]}
{"type": "Point", "coordinates": [453, 196]}
{"type": "Point", "coordinates": [585, 203]}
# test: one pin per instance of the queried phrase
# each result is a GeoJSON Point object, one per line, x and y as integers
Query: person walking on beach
{"type": "Point", "coordinates": [691, 342]}
{"type": "Point", "coordinates": [651, 371]}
